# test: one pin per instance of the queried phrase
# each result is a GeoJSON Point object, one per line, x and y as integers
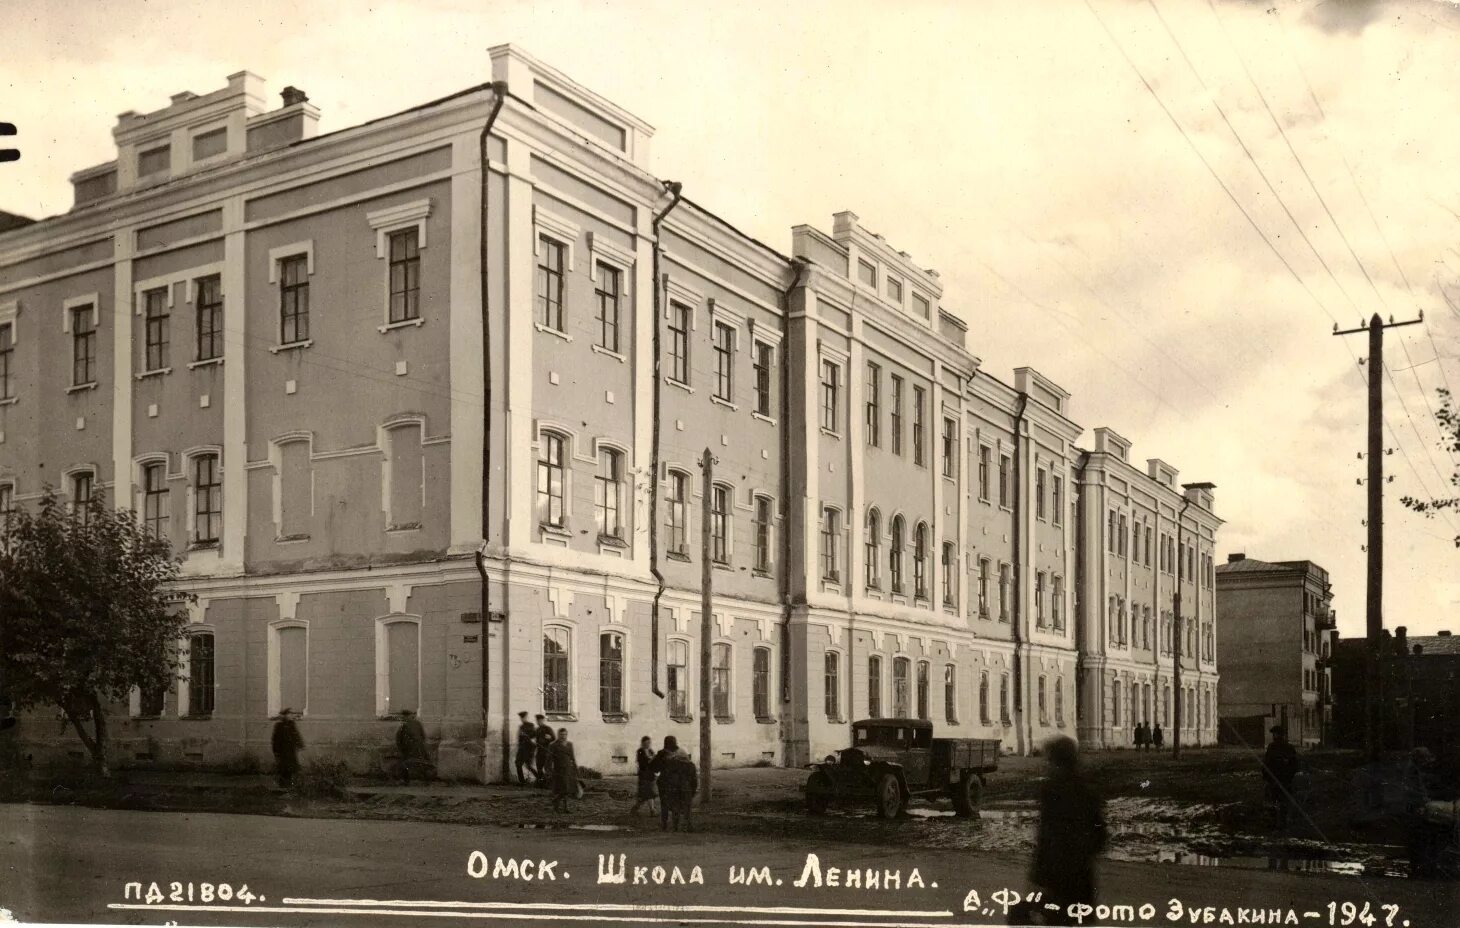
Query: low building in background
{"type": "Point", "coordinates": [1275, 650]}
{"type": "Point", "coordinates": [1420, 691]}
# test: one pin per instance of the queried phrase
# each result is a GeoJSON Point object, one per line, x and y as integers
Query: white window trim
{"type": "Point", "coordinates": [140, 463]}
{"type": "Point", "coordinates": [730, 508]}
{"type": "Point", "coordinates": [276, 461]}
{"type": "Point", "coordinates": [574, 686]}
{"type": "Point", "coordinates": [190, 493]}
{"type": "Point", "coordinates": [382, 439]}
{"type": "Point", "coordinates": [732, 689]}
{"type": "Point", "coordinates": [569, 456]}
{"type": "Point", "coordinates": [72, 472]}
{"type": "Point", "coordinates": [189, 276]}
{"type": "Point", "coordinates": [601, 249]}
{"type": "Point", "coordinates": [842, 688]}
{"type": "Point", "coordinates": [10, 315]}
{"type": "Point", "coordinates": [677, 292]}
{"type": "Point", "coordinates": [691, 674]}
{"type": "Point", "coordinates": [382, 660]}
{"type": "Point", "coordinates": [563, 231]}
{"type": "Point", "coordinates": [625, 668]}
{"type": "Point", "coordinates": [274, 672]}
{"type": "Point", "coordinates": [276, 255]}
{"type": "Point", "coordinates": [76, 302]}
{"type": "Point", "coordinates": [626, 485]}
{"type": "Point", "coordinates": [206, 129]}
{"type": "Point", "coordinates": [185, 654]}
{"type": "Point", "coordinates": [763, 332]}
{"type": "Point", "coordinates": [721, 313]}
{"type": "Point", "coordinates": [398, 218]}
{"type": "Point", "coordinates": [689, 495]}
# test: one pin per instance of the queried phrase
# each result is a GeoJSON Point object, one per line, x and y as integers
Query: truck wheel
{"type": "Point", "coordinates": [966, 795]}
{"type": "Point", "coordinates": [818, 789]}
{"type": "Point", "coordinates": [889, 797]}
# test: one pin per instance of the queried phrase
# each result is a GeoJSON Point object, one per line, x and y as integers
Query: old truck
{"type": "Point", "coordinates": [891, 761]}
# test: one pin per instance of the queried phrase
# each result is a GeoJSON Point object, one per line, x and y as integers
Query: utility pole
{"type": "Point", "coordinates": [1374, 600]}
{"type": "Point", "coordinates": [707, 569]}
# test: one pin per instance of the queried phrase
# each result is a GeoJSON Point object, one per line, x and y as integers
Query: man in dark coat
{"type": "Point", "coordinates": [565, 771]}
{"type": "Point", "coordinates": [1071, 832]}
{"type": "Point", "coordinates": [410, 741]}
{"type": "Point", "coordinates": [678, 782]}
{"type": "Point", "coordinates": [526, 748]}
{"type": "Point", "coordinates": [1139, 739]}
{"type": "Point", "coordinates": [1158, 738]}
{"type": "Point", "coordinates": [287, 744]}
{"type": "Point", "coordinates": [1279, 766]}
{"type": "Point", "coordinates": [648, 789]}
{"type": "Point", "coordinates": [544, 750]}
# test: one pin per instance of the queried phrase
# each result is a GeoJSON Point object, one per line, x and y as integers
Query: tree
{"type": "Point", "coordinates": [86, 612]}
{"type": "Point", "coordinates": [1449, 419]}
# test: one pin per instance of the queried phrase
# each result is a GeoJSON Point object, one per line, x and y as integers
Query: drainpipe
{"type": "Point", "coordinates": [798, 280]}
{"type": "Point", "coordinates": [674, 188]}
{"type": "Point", "coordinates": [1021, 708]}
{"type": "Point", "coordinates": [1176, 633]}
{"type": "Point", "coordinates": [499, 94]}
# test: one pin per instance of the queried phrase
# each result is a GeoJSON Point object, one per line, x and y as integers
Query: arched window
{"type": "Point", "coordinates": [920, 561]}
{"type": "Point", "coordinates": [288, 667]}
{"type": "Point", "coordinates": [552, 465]}
{"type": "Point", "coordinates": [984, 565]}
{"type": "Point", "coordinates": [873, 550]}
{"type": "Point", "coordinates": [1135, 702]}
{"type": "Point", "coordinates": [761, 682]}
{"type": "Point", "coordinates": [831, 533]}
{"type": "Point", "coordinates": [1043, 705]}
{"type": "Point", "coordinates": [894, 555]}
{"type": "Point", "coordinates": [1115, 703]}
{"type": "Point", "coordinates": [611, 673]}
{"type": "Point", "coordinates": [923, 712]}
{"type": "Point", "coordinates": [950, 692]}
{"type": "Point", "coordinates": [950, 575]}
{"type": "Point", "coordinates": [608, 488]}
{"type": "Point", "coordinates": [397, 665]}
{"type": "Point", "coordinates": [1004, 699]}
{"type": "Point", "coordinates": [720, 524]}
{"type": "Point", "coordinates": [678, 541]}
{"type": "Point", "coordinates": [983, 697]}
{"type": "Point", "coordinates": [557, 674]}
{"type": "Point", "coordinates": [720, 680]}
{"type": "Point", "coordinates": [201, 680]}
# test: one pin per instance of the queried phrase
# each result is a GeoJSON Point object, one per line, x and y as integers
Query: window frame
{"type": "Point", "coordinates": [902, 695]}
{"type": "Point", "coordinates": [722, 681]}
{"type": "Point", "coordinates": [897, 540]}
{"type": "Point", "coordinates": [948, 563]}
{"type": "Point", "coordinates": [874, 686]}
{"type": "Point", "coordinates": [762, 532]}
{"type": "Point", "coordinates": [206, 528]}
{"type": "Point", "coordinates": [410, 265]}
{"type": "Point", "coordinates": [548, 467]}
{"type": "Point", "coordinates": [202, 695]}
{"type": "Point", "coordinates": [831, 530]}
{"type": "Point", "coordinates": [721, 517]}
{"type": "Point", "coordinates": [612, 681]}
{"type": "Point", "coordinates": [920, 562]}
{"type": "Point", "coordinates": [211, 310]}
{"type": "Point", "coordinates": [677, 543]}
{"type": "Point", "coordinates": [156, 501]}
{"type": "Point", "coordinates": [83, 343]}
{"type": "Point", "coordinates": [763, 361]}
{"type": "Point", "coordinates": [557, 695]}
{"type": "Point", "coordinates": [898, 395]}
{"type": "Point", "coordinates": [872, 550]}
{"type": "Point", "coordinates": [832, 684]}
{"type": "Point", "coordinates": [760, 683]}
{"type": "Point", "coordinates": [950, 693]}
{"type": "Point", "coordinates": [722, 340]}
{"type": "Point", "coordinates": [608, 294]}
{"type": "Point", "coordinates": [608, 491]}
{"type": "Point", "coordinates": [550, 282]}
{"type": "Point", "coordinates": [830, 395]}
{"type": "Point", "coordinates": [950, 447]}
{"type": "Point", "coordinates": [681, 320]}
{"type": "Point", "coordinates": [919, 424]}
{"type": "Point", "coordinates": [873, 409]}
{"type": "Point", "coordinates": [7, 359]}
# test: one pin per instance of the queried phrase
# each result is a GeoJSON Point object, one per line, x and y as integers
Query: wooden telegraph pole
{"type": "Point", "coordinates": [707, 569]}
{"type": "Point", "coordinates": [1374, 600]}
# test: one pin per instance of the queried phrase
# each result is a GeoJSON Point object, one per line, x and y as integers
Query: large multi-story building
{"type": "Point", "coordinates": [1275, 648]}
{"type": "Point", "coordinates": [293, 354]}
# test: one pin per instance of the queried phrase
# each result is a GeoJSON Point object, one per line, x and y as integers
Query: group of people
{"type": "Point", "coordinates": [410, 743]}
{"type": "Point", "coordinates": [549, 757]}
{"type": "Point", "coordinates": [672, 777]}
{"type": "Point", "coordinates": [1148, 738]}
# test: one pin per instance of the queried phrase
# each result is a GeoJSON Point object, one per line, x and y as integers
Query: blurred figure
{"type": "Point", "coordinates": [526, 748]}
{"type": "Point", "coordinates": [1279, 766]}
{"type": "Point", "coordinates": [678, 781]}
{"type": "Point", "coordinates": [1142, 737]}
{"type": "Point", "coordinates": [410, 742]}
{"type": "Point", "coordinates": [544, 744]}
{"type": "Point", "coordinates": [565, 771]}
{"type": "Point", "coordinates": [644, 758]}
{"type": "Point", "coordinates": [287, 743]}
{"type": "Point", "coordinates": [1158, 738]}
{"type": "Point", "coordinates": [1071, 832]}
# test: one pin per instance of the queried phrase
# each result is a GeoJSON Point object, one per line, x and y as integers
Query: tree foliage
{"type": "Point", "coordinates": [86, 612]}
{"type": "Point", "coordinates": [1449, 418]}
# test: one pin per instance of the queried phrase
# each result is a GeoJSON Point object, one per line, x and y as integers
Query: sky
{"type": "Point", "coordinates": [1163, 205]}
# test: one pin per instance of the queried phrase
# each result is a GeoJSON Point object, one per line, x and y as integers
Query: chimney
{"type": "Point", "coordinates": [1234, 558]}
{"type": "Point", "coordinates": [293, 95]}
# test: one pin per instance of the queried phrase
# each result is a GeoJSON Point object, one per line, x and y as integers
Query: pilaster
{"type": "Point", "coordinates": [121, 325]}
{"type": "Point", "coordinates": [465, 359]}
{"type": "Point", "coordinates": [235, 374]}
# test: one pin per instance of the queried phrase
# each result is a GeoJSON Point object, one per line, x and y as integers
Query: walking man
{"type": "Point", "coordinates": [565, 771]}
{"type": "Point", "coordinates": [410, 742]}
{"type": "Point", "coordinates": [1158, 738]}
{"type": "Point", "coordinates": [544, 739]}
{"type": "Point", "coordinates": [644, 757]}
{"type": "Point", "coordinates": [526, 748]}
{"type": "Point", "coordinates": [1279, 766]}
{"type": "Point", "coordinates": [678, 782]}
{"type": "Point", "coordinates": [287, 744]}
{"type": "Point", "coordinates": [1071, 832]}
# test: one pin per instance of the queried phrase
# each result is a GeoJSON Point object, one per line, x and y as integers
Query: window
{"type": "Point", "coordinates": [872, 551]}
{"type": "Point", "coordinates": [896, 414]}
{"type": "Point", "coordinates": [7, 507]}
{"type": "Point", "coordinates": [551, 259]}
{"type": "Point", "coordinates": [950, 576]}
{"type": "Point", "coordinates": [762, 530]}
{"type": "Point", "coordinates": [293, 644]}
{"type": "Point", "coordinates": [295, 486]}
{"type": "Point", "coordinates": [983, 472]}
{"type": "Point", "coordinates": [831, 374]}
{"type": "Point", "coordinates": [894, 289]}
{"type": "Point", "coordinates": [720, 525]}
{"type": "Point", "coordinates": [920, 402]}
{"type": "Point", "coordinates": [1121, 536]}
{"type": "Point", "coordinates": [209, 319]}
{"type": "Point", "coordinates": [200, 675]}
{"type": "Point", "coordinates": [609, 493]}
{"type": "Point", "coordinates": [1059, 603]}
{"type": "Point", "coordinates": [950, 447]}
{"type": "Point", "coordinates": [1148, 546]}
{"type": "Point", "coordinates": [724, 362]}
{"type": "Point", "coordinates": [208, 145]}
{"type": "Point", "coordinates": [1003, 592]}
{"type": "Point", "coordinates": [760, 683]}
{"type": "Point", "coordinates": [867, 273]}
{"type": "Point", "coordinates": [7, 353]}
{"type": "Point", "coordinates": [679, 316]}
{"type": "Point", "coordinates": [1005, 465]}
{"type": "Point", "coordinates": [550, 480]}
{"type": "Point", "coordinates": [611, 673]}
{"type": "Point", "coordinates": [294, 299]}
{"type": "Point", "coordinates": [81, 485]}
{"type": "Point", "coordinates": [983, 697]}
{"type": "Point", "coordinates": [874, 405]}
{"type": "Point", "coordinates": [920, 561]}
{"type": "Point", "coordinates": [764, 355]}
{"type": "Point", "coordinates": [407, 471]}
{"type": "Point", "coordinates": [833, 686]}
{"type": "Point", "coordinates": [1115, 702]}
{"type": "Point", "coordinates": [1004, 699]}
{"type": "Point", "coordinates": [155, 321]}
{"type": "Point", "coordinates": [1110, 530]}
{"type": "Point", "coordinates": [608, 291]}
{"type": "Point", "coordinates": [894, 557]}
{"type": "Point", "coordinates": [154, 160]}
{"type": "Point", "coordinates": [83, 345]}
{"type": "Point", "coordinates": [901, 667]}
{"type": "Point", "coordinates": [950, 693]}
{"type": "Point", "coordinates": [831, 531]}
{"type": "Point", "coordinates": [922, 305]}
{"type": "Point", "coordinates": [1039, 509]}
{"type": "Point", "coordinates": [207, 500]}
{"type": "Point", "coordinates": [983, 587]}
{"type": "Point", "coordinates": [1039, 617]}
{"type": "Point", "coordinates": [677, 679]}
{"type": "Point", "coordinates": [1059, 701]}
{"type": "Point", "coordinates": [923, 690]}
{"type": "Point", "coordinates": [1057, 499]}
{"type": "Point", "coordinates": [720, 680]}
{"type": "Point", "coordinates": [557, 674]}
{"type": "Point", "coordinates": [678, 513]}
{"type": "Point", "coordinates": [405, 275]}
{"type": "Point", "coordinates": [153, 699]}
{"type": "Point", "coordinates": [1042, 705]}
{"type": "Point", "coordinates": [155, 508]}
{"type": "Point", "coordinates": [874, 687]}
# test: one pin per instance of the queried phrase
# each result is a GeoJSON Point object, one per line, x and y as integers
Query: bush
{"type": "Point", "coordinates": [588, 773]}
{"type": "Point", "coordinates": [323, 779]}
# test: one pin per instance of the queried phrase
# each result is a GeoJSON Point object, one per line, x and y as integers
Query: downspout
{"type": "Point", "coordinates": [674, 188]}
{"type": "Point", "coordinates": [798, 280]}
{"type": "Point", "coordinates": [499, 93]}
{"type": "Point", "coordinates": [1177, 627]}
{"type": "Point", "coordinates": [1082, 568]}
{"type": "Point", "coordinates": [1026, 733]}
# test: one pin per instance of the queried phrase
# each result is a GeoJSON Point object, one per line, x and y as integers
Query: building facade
{"type": "Point", "coordinates": [1276, 647]}
{"type": "Point", "coordinates": [291, 354]}
{"type": "Point", "coordinates": [1420, 695]}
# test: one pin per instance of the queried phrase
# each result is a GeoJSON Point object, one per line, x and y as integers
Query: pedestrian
{"type": "Point", "coordinates": [1139, 737]}
{"type": "Point", "coordinates": [544, 739]}
{"type": "Point", "coordinates": [678, 782]}
{"type": "Point", "coordinates": [644, 758]}
{"type": "Point", "coordinates": [526, 748]}
{"type": "Point", "coordinates": [287, 744]}
{"type": "Point", "coordinates": [565, 771]}
{"type": "Point", "coordinates": [1279, 766]}
{"type": "Point", "coordinates": [410, 742]}
{"type": "Point", "coordinates": [1071, 832]}
{"type": "Point", "coordinates": [1157, 738]}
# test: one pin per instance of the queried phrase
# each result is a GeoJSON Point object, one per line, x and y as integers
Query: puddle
{"type": "Point", "coordinates": [597, 828]}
